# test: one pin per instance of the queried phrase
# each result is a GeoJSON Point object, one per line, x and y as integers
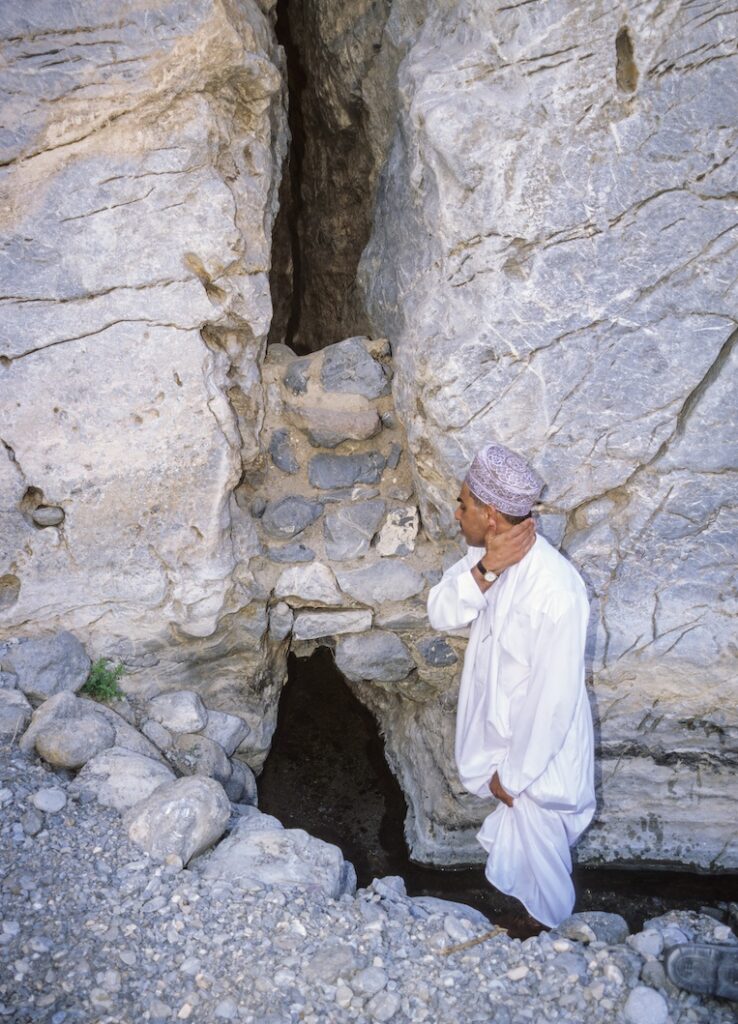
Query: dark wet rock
{"type": "Point", "coordinates": [291, 553]}
{"type": "Point", "coordinates": [348, 367]}
{"type": "Point", "coordinates": [282, 453]}
{"type": "Point", "coordinates": [329, 471]}
{"type": "Point", "coordinates": [348, 532]}
{"type": "Point", "coordinates": [296, 377]}
{"type": "Point", "coordinates": [288, 516]}
{"type": "Point", "coordinates": [436, 651]}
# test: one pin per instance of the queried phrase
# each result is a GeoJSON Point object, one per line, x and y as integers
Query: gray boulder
{"type": "Point", "coordinates": [157, 734]}
{"type": "Point", "coordinates": [241, 786]}
{"type": "Point", "coordinates": [70, 744]}
{"type": "Point", "coordinates": [47, 666]}
{"type": "Point", "coordinates": [280, 857]}
{"type": "Point", "coordinates": [595, 925]}
{"type": "Point", "coordinates": [195, 754]}
{"type": "Point", "coordinates": [329, 471]}
{"type": "Point", "coordinates": [296, 552]}
{"type": "Point", "coordinates": [349, 531]}
{"type": "Point", "coordinates": [120, 778]}
{"type": "Point", "coordinates": [281, 451]}
{"type": "Point", "coordinates": [181, 818]}
{"type": "Point", "coordinates": [15, 714]}
{"type": "Point", "coordinates": [374, 655]}
{"type": "Point", "coordinates": [251, 819]}
{"type": "Point", "coordinates": [388, 580]}
{"type": "Point", "coordinates": [229, 731]}
{"type": "Point", "coordinates": [288, 516]}
{"type": "Point", "coordinates": [348, 367]}
{"type": "Point", "coordinates": [327, 427]}
{"type": "Point", "coordinates": [179, 712]}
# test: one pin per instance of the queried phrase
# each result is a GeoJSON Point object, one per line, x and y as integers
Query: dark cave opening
{"type": "Point", "coordinates": [326, 773]}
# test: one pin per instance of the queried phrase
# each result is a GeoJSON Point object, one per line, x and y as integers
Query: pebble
{"type": "Point", "coordinates": [89, 925]}
{"type": "Point", "coordinates": [50, 800]}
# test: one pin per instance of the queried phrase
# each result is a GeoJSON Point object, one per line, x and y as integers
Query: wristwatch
{"type": "Point", "coordinates": [487, 575]}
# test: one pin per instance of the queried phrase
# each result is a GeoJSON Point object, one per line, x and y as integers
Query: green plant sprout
{"type": "Point", "coordinates": [102, 682]}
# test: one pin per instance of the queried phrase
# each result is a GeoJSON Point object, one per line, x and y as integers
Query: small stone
{"type": "Point", "coordinates": [400, 529]}
{"type": "Point", "coordinates": [196, 754]}
{"type": "Point", "coordinates": [48, 515]}
{"type": "Point", "coordinates": [383, 1006]}
{"type": "Point", "coordinates": [388, 580]}
{"type": "Point", "coordinates": [15, 713]}
{"type": "Point", "coordinates": [281, 618]}
{"type": "Point", "coordinates": [314, 625]}
{"type": "Point", "coordinates": [609, 928]}
{"type": "Point", "coordinates": [369, 981]}
{"type": "Point", "coordinates": [47, 666]}
{"type": "Point", "coordinates": [291, 553]}
{"type": "Point", "coordinates": [613, 973]}
{"type": "Point", "coordinates": [288, 516]}
{"type": "Point", "coordinates": [654, 975]}
{"type": "Point", "coordinates": [436, 651]}
{"type": "Point", "coordinates": [32, 822]}
{"type": "Point", "coordinates": [158, 735]}
{"type": "Point", "coordinates": [228, 730]}
{"type": "Point", "coordinates": [344, 995]}
{"type": "Point", "coordinates": [329, 471]}
{"type": "Point", "coordinates": [349, 531]}
{"type": "Point", "coordinates": [394, 455]}
{"type": "Point", "coordinates": [374, 655]}
{"type": "Point", "coordinates": [296, 377]}
{"type": "Point", "coordinates": [226, 1009]}
{"type": "Point", "coordinates": [348, 367]}
{"type": "Point", "coordinates": [280, 449]}
{"type": "Point", "coordinates": [67, 746]}
{"type": "Point", "coordinates": [649, 944]}
{"type": "Point", "coordinates": [518, 973]}
{"type": "Point", "coordinates": [51, 800]}
{"type": "Point", "coordinates": [181, 711]}
{"type": "Point", "coordinates": [311, 584]}
{"type": "Point", "coordinates": [645, 1006]}
{"type": "Point", "coordinates": [257, 507]}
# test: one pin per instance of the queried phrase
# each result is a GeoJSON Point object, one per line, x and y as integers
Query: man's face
{"type": "Point", "coordinates": [474, 519]}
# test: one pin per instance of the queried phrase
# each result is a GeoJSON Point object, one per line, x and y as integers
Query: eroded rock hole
{"type": "Point", "coordinates": [626, 71]}
{"type": "Point", "coordinates": [327, 191]}
{"type": "Point", "coordinates": [326, 772]}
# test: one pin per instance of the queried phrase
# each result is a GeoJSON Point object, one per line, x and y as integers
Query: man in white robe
{"type": "Point", "coordinates": [524, 725]}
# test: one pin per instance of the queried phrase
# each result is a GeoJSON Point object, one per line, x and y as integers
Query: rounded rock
{"type": "Point", "coordinates": [71, 745]}
{"type": "Point", "coordinates": [51, 800]}
{"type": "Point", "coordinates": [645, 1006]}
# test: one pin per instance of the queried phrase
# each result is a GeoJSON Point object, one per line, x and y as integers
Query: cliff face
{"type": "Point", "coordinates": [550, 258]}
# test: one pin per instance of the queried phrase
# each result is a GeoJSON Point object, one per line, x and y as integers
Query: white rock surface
{"type": "Point", "coordinates": [309, 584]}
{"type": "Point", "coordinates": [287, 857]}
{"type": "Point", "coordinates": [228, 731]}
{"type": "Point", "coordinates": [312, 625]}
{"type": "Point", "coordinates": [136, 306]}
{"type": "Point", "coordinates": [179, 712]}
{"type": "Point", "coordinates": [120, 778]}
{"type": "Point", "coordinates": [183, 817]}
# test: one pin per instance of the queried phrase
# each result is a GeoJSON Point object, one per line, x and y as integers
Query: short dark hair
{"type": "Point", "coordinates": [512, 520]}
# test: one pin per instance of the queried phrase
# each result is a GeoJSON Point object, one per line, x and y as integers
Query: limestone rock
{"type": "Point", "coordinates": [291, 553]}
{"type": "Point", "coordinates": [376, 655]}
{"type": "Point", "coordinates": [67, 745]}
{"type": "Point", "coordinates": [50, 800]}
{"type": "Point", "coordinates": [329, 471]}
{"type": "Point", "coordinates": [349, 531]}
{"type": "Point", "coordinates": [46, 666]}
{"type": "Point", "coordinates": [228, 731]}
{"type": "Point", "coordinates": [250, 819]}
{"type": "Point", "coordinates": [241, 786]}
{"type": "Point", "coordinates": [281, 618]}
{"type": "Point", "coordinates": [382, 582]}
{"type": "Point", "coordinates": [282, 453]}
{"type": "Point", "coordinates": [436, 651]}
{"type": "Point", "coordinates": [126, 735]}
{"type": "Point", "coordinates": [348, 367]}
{"type": "Point", "coordinates": [193, 754]}
{"type": "Point", "coordinates": [183, 818]}
{"type": "Point", "coordinates": [135, 378]}
{"type": "Point", "coordinates": [328, 425]}
{"type": "Point", "coordinates": [120, 778]}
{"type": "Point", "coordinates": [645, 1006]}
{"type": "Point", "coordinates": [313, 625]}
{"type": "Point", "coordinates": [157, 734]}
{"type": "Point", "coordinates": [287, 857]}
{"type": "Point", "coordinates": [397, 536]}
{"type": "Point", "coordinates": [180, 712]}
{"type": "Point", "coordinates": [311, 584]}
{"type": "Point", "coordinates": [289, 516]}
{"type": "Point", "coordinates": [15, 714]}
{"type": "Point", "coordinates": [609, 928]}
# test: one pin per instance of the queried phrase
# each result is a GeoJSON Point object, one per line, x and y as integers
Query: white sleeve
{"type": "Point", "coordinates": [556, 681]}
{"type": "Point", "coordinates": [456, 600]}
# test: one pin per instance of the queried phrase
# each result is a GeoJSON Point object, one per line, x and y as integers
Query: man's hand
{"type": "Point", "coordinates": [505, 549]}
{"type": "Point", "coordinates": [495, 788]}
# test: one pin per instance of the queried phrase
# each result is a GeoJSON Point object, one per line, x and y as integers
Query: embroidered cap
{"type": "Point", "coordinates": [500, 477]}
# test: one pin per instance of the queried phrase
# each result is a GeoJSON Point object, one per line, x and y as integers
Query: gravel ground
{"type": "Point", "coordinates": [92, 930]}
